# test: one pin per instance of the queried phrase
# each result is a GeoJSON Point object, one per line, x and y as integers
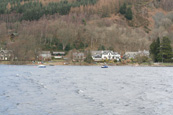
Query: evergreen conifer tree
{"type": "Point", "coordinates": [157, 50]}
{"type": "Point", "coordinates": [165, 50]}
{"type": "Point", "coordinates": [153, 50]}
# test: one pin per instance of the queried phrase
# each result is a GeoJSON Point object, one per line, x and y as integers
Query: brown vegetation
{"type": "Point", "coordinates": [94, 25]}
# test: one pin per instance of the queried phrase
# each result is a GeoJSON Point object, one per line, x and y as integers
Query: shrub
{"type": "Point", "coordinates": [115, 61]}
{"type": "Point", "coordinates": [129, 14]}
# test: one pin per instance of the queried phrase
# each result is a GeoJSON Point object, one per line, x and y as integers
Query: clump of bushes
{"type": "Point", "coordinates": [127, 12]}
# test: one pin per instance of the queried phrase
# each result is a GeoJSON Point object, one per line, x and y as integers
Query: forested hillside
{"type": "Point", "coordinates": [34, 9]}
{"type": "Point", "coordinates": [28, 26]}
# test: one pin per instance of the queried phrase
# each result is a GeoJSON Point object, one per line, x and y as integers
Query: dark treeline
{"type": "Point", "coordinates": [161, 51]}
{"type": "Point", "coordinates": [33, 10]}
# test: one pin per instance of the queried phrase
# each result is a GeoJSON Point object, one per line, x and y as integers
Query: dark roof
{"type": "Point", "coordinates": [97, 56]}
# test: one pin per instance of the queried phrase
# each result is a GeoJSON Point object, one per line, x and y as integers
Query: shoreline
{"type": "Point", "coordinates": [52, 63]}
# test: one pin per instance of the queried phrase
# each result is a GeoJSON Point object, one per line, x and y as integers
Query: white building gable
{"type": "Point", "coordinates": [103, 55]}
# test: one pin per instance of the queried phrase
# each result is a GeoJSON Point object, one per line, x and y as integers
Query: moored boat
{"type": "Point", "coordinates": [41, 66]}
{"type": "Point", "coordinates": [104, 66]}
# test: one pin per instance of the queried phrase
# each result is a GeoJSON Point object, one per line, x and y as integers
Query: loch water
{"type": "Point", "coordinates": [86, 90]}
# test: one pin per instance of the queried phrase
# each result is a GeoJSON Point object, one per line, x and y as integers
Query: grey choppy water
{"type": "Point", "coordinates": [85, 90]}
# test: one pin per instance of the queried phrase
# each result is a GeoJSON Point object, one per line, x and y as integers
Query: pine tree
{"type": "Point", "coordinates": [165, 50]}
{"type": "Point", "coordinates": [155, 50]}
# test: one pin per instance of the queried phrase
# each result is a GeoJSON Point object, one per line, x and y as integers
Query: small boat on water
{"type": "Point", "coordinates": [41, 66]}
{"type": "Point", "coordinates": [104, 66]}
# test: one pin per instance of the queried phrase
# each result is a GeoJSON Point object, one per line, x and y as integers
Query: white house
{"type": "Point", "coordinates": [96, 55]}
{"type": "Point", "coordinates": [110, 55]}
{"type": "Point", "coordinates": [44, 55]}
{"type": "Point", "coordinates": [129, 55]}
{"type": "Point", "coordinates": [58, 55]}
{"type": "Point", "coordinates": [78, 56]}
{"type": "Point", "coordinates": [6, 55]}
{"type": "Point", "coordinates": [103, 55]}
{"type": "Point", "coordinates": [144, 53]}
